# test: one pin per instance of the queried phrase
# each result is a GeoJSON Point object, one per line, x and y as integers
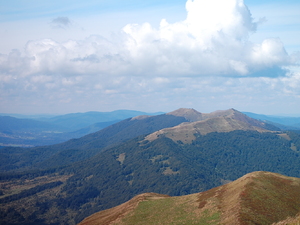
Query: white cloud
{"type": "Point", "coordinates": [205, 57]}
{"type": "Point", "coordinates": [270, 53]}
{"type": "Point", "coordinates": [212, 40]}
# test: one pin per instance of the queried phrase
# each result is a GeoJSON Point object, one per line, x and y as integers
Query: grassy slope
{"type": "Point", "coordinates": [256, 198]}
{"type": "Point", "coordinates": [152, 208]}
{"type": "Point", "coordinates": [270, 198]}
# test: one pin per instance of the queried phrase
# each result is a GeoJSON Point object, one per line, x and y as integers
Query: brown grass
{"type": "Point", "coordinates": [115, 214]}
{"type": "Point", "coordinates": [185, 132]}
{"type": "Point", "coordinates": [16, 186]}
{"type": "Point", "coordinates": [256, 198]}
{"type": "Point", "coordinates": [121, 158]}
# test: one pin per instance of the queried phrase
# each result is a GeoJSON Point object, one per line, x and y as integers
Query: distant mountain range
{"type": "Point", "coordinates": [178, 153]}
{"type": "Point", "coordinates": [37, 130]}
{"type": "Point", "coordinates": [22, 130]}
{"type": "Point", "coordinates": [282, 122]}
{"type": "Point", "coordinates": [255, 198]}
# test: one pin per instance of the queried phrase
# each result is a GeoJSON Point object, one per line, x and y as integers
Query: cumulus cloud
{"type": "Point", "coordinates": [213, 40]}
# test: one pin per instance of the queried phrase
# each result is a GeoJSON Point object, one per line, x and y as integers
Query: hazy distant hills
{"type": "Point", "coordinates": [36, 131]}
{"type": "Point", "coordinates": [76, 121]}
{"type": "Point", "coordinates": [176, 154]}
{"type": "Point", "coordinates": [255, 198]}
{"type": "Point", "coordinates": [284, 123]}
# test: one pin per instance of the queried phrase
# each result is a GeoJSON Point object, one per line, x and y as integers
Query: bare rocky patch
{"type": "Point", "coordinates": [121, 158]}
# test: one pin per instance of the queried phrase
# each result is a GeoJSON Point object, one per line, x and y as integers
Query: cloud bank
{"type": "Point", "coordinates": [212, 42]}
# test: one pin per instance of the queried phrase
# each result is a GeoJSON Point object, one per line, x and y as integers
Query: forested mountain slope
{"type": "Point", "coordinates": [84, 147]}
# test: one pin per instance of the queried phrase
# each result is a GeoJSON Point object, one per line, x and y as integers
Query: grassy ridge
{"type": "Point", "coordinates": [151, 208]}
{"type": "Point", "coordinates": [256, 198]}
{"type": "Point", "coordinates": [176, 210]}
{"type": "Point", "coordinates": [269, 198]}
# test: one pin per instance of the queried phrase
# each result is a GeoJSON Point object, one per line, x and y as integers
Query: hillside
{"type": "Point", "coordinates": [76, 149]}
{"type": "Point", "coordinates": [256, 198]}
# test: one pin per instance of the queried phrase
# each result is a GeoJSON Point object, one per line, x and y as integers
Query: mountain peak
{"type": "Point", "coordinates": [218, 121]}
{"type": "Point", "coordinates": [220, 113]}
{"type": "Point", "coordinates": [191, 115]}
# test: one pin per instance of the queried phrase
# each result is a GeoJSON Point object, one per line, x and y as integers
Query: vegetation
{"type": "Point", "coordinates": [30, 192]}
{"type": "Point", "coordinates": [74, 150]}
{"type": "Point", "coordinates": [256, 198]}
{"type": "Point", "coordinates": [174, 210]}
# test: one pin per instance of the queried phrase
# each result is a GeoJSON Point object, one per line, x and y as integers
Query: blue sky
{"type": "Point", "coordinates": [77, 56]}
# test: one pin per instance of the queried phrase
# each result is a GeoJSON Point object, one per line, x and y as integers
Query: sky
{"type": "Point", "coordinates": [153, 56]}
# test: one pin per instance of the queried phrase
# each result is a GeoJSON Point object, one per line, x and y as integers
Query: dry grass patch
{"type": "Point", "coordinates": [169, 171]}
{"type": "Point", "coordinates": [174, 210]}
{"type": "Point", "coordinates": [16, 186]}
{"type": "Point", "coordinates": [121, 158]}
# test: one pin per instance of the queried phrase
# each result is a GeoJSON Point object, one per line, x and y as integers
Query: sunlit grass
{"type": "Point", "coordinates": [170, 211]}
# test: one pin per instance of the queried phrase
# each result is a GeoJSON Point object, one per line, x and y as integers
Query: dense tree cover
{"type": "Point", "coordinates": [166, 167]}
{"type": "Point", "coordinates": [76, 149]}
{"type": "Point", "coordinates": [30, 192]}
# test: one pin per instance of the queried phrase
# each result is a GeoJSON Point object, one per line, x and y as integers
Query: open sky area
{"type": "Point", "coordinates": [64, 56]}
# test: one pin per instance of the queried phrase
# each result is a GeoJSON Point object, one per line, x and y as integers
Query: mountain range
{"type": "Point", "coordinates": [29, 131]}
{"type": "Point", "coordinates": [178, 153]}
{"type": "Point", "coordinates": [38, 130]}
{"type": "Point", "coordinates": [283, 122]}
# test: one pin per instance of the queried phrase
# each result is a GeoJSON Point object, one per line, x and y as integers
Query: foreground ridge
{"type": "Point", "coordinates": [256, 198]}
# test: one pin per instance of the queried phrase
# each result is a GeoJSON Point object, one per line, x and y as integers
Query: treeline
{"type": "Point", "coordinates": [30, 174]}
{"type": "Point", "coordinates": [30, 192]}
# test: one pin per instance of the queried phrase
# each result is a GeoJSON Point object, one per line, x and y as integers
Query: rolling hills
{"type": "Point", "coordinates": [191, 152]}
{"type": "Point", "coordinates": [256, 198]}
